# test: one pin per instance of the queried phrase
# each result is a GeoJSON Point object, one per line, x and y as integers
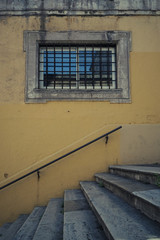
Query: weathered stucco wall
{"type": "Point", "coordinates": [32, 134]}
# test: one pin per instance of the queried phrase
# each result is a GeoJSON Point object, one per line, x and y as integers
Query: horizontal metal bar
{"type": "Point", "coordinates": [63, 156]}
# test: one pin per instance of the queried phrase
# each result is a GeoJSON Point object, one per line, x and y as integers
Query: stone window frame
{"type": "Point", "coordinates": [122, 40]}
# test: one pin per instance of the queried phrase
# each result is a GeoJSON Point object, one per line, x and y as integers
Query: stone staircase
{"type": "Point", "coordinates": [123, 204]}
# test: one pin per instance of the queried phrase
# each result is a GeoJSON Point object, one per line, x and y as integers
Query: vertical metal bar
{"type": "Point", "coordinates": [93, 62]}
{"type": "Point", "coordinates": [39, 60]}
{"type": "Point", "coordinates": [70, 78]}
{"type": "Point", "coordinates": [62, 67]}
{"type": "Point", "coordinates": [46, 82]}
{"type": "Point", "coordinates": [116, 67]}
{"type": "Point", "coordinates": [108, 70]}
{"type": "Point", "coordinates": [100, 66]}
{"type": "Point", "coordinates": [85, 67]}
{"type": "Point", "coordinates": [54, 81]}
{"type": "Point", "coordinates": [77, 68]}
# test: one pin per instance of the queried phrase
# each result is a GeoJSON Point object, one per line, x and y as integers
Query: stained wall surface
{"type": "Point", "coordinates": [34, 134]}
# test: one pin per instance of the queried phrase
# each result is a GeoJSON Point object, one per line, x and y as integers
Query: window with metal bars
{"type": "Point", "coordinates": [77, 66]}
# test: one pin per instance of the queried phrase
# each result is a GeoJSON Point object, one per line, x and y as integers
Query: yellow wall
{"type": "Point", "coordinates": [32, 134]}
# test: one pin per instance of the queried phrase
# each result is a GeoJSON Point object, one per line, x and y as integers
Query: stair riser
{"type": "Point", "coordinates": [147, 208]}
{"type": "Point", "coordinates": [146, 178]}
{"type": "Point", "coordinates": [105, 229]}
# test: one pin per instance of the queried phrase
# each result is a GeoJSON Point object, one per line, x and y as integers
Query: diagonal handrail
{"type": "Point", "coordinates": [59, 158]}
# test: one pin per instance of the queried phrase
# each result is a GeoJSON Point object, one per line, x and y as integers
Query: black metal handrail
{"type": "Point", "coordinates": [63, 156]}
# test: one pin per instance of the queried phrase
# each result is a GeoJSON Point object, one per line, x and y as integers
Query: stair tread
{"type": "Point", "coordinates": [51, 224]}
{"type": "Point", "coordinates": [14, 227]}
{"type": "Point", "coordinates": [148, 192]}
{"type": "Point", "coordinates": [119, 219]}
{"type": "Point", "coordinates": [79, 221]}
{"type": "Point", "coordinates": [82, 225]}
{"type": "Point", "coordinates": [148, 169]}
{"type": "Point", "coordinates": [28, 229]}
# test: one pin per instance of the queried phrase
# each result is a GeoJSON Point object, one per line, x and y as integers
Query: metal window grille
{"type": "Point", "coordinates": [80, 66]}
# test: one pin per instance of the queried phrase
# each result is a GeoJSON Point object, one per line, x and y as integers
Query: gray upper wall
{"type": "Point", "coordinates": [80, 7]}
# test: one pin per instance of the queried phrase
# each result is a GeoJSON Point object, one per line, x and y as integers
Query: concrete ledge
{"type": "Point", "coordinates": [79, 7]}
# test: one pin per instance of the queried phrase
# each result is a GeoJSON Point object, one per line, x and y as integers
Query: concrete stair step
{"type": "Point", "coordinates": [118, 219]}
{"type": "Point", "coordinates": [79, 221]}
{"type": "Point", "coordinates": [4, 229]}
{"type": "Point", "coordinates": [95, 213]}
{"type": "Point", "coordinates": [51, 224]}
{"type": "Point", "coordinates": [14, 227]}
{"type": "Point", "coordinates": [146, 173]}
{"type": "Point", "coordinates": [27, 231]}
{"type": "Point", "coordinates": [145, 197]}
